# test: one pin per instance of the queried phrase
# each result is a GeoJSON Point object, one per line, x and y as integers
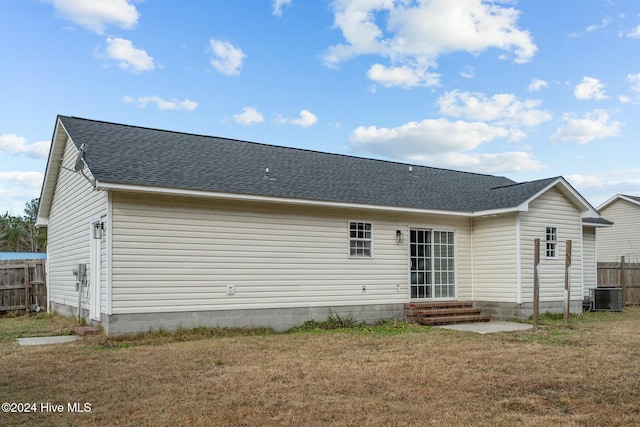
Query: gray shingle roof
{"type": "Point", "coordinates": [122, 154]}
{"type": "Point", "coordinates": [636, 198]}
{"type": "Point", "coordinates": [597, 221]}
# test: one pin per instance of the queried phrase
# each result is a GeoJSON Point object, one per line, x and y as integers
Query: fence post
{"type": "Point", "coordinates": [536, 282]}
{"type": "Point", "coordinates": [623, 280]}
{"type": "Point", "coordinates": [567, 284]}
{"type": "Point", "coordinates": [27, 285]}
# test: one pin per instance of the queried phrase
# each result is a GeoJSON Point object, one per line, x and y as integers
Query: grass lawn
{"type": "Point", "coordinates": [393, 374]}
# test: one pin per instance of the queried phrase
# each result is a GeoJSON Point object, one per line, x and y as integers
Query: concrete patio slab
{"type": "Point", "coordinates": [491, 327]}
{"type": "Point", "coordinates": [48, 340]}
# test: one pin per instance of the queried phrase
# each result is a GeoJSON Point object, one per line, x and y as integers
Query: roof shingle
{"type": "Point", "coordinates": [122, 154]}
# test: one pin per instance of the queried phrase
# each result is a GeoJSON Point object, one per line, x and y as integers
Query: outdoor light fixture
{"type": "Point", "coordinates": [399, 236]}
{"type": "Point", "coordinates": [98, 228]}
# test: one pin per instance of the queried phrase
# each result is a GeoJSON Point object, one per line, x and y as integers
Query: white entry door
{"type": "Point", "coordinates": [95, 278]}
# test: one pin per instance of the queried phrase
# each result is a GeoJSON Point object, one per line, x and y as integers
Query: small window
{"type": "Point", "coordinates": [552, 242]}
{"type": "Point", "coordinates": [360, 239]}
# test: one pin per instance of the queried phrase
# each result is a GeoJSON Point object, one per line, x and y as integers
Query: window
{"type": "Point", "coordinates": [552, 242]}
{"type": "Point", "coordinates": [360, 239]}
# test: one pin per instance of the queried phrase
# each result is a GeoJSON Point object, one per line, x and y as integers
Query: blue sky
{"type": "Point", "coordinates": [525, 89]}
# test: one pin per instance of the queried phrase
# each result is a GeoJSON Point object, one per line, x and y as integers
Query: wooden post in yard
{"type": "Point", "coordinates": [623, 280]}
{"type": "Point", "coordinates": [27, 285]}
{"type": "Point", "coordinates": [536, 282]}
{"type": "Point", "coordinates": [567, 284]}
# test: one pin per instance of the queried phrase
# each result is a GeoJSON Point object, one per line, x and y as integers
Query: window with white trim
{"type": "Point", "coordinates": [360, 239]}
{"type": "Point", "coordinates": [551, 246]}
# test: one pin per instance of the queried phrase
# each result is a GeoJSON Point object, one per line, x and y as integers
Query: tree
{"type": "Point", "coordinates": [19, 234]}
{"type": "Point", "coordinates": [34, 237]}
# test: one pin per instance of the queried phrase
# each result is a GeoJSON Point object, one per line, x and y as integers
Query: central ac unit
{"type": "Point", "coordinates": [606, 299]}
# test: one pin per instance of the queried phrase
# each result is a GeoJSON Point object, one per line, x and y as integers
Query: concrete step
{"type": "Point", "coordinates": [447, 320]}
{"type": "Point", "coordinates": [438, 312]}
{"type": "Point", "coordinates": [438, 304]}
{"type": "Point", "coordinates": [84, 330]}
{"type": "Point", "coordinates": [443, 312]}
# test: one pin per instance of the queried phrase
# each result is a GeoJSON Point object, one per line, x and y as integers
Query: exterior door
{"type": "Point", "coordinates": [432, 264]}
{"type": "Point", "coordinates": [95, 267]}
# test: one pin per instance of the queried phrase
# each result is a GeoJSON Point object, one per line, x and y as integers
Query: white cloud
{"type": "Point", "coordinates": [402, 76]}
{"type": "Point", "coordinates": [634, 79]}
{"type": "Point", "coordinates": [128, 57]}
{"type": "Point", "coordinates": [605, 22]}
{"type": "Point", "coordinates": [306, 119]}
{"type": "Point", "coordinates": [162, 104]}
{"type": "Point", "coordinates": [96, 15]}
{"type": "Point", "coordinates": [605, 184]}
{"type": "Point", "coordinates": [591, 126]}
{"type": "Point", "coordinates": [427, 137]}
{"type": "Point", "coordinates": [12, 143]}
{"type": "Point", "coordinates": [443, 143]}
{"type": "Point", "coordinates": [503, 109]}
{"type": "Point", "coordinates": [511, 161]}
{"type": "Point", "coordinates": [227, 58]}
{"type": "Point", "coordinates": [635, 33]}
{"type": "Point", "coordinates": [469, 72]}
{"type": "Point", "coordinates": [17, 188]}
{"type": "Point", "coordinates": [624, 99]}
{"type": "Point", "coordinates": [278, 5]}
{"type": "Point", "coordinates": [31, 180]}
{"type": "Point", "coordinates": [415, 34]}
{"type": "Point", "coordinates": [249, 116]}
{"type": "Point", "coordinates": [590, 88]}
{"type": "Point", "coordinates": [537, 84]}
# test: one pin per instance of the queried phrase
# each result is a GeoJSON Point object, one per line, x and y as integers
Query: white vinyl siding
{"type": "Point", "coordinates": [495, 258]}
{"type": "Point", "coordinates": [554, 208]}
{"type": "Point", "coordinates": [589, 264]}
{"type": "Point", "coordinates": [623, 238]}
{"type": "Point", "coordinates": [74, 204]}
{"type": "Point", "coordinates": [180, 254]}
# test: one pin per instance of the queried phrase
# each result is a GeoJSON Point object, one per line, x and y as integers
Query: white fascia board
{"type": "Point", "coordinates": [608, 202]}
{"type": "Point", "coordinates": [595, 225]}
{"type": "Point", "coordinates": [100, 185]}
{"type": "Point", "coordinates": [524, 207]}
{"type": "Point", "coordinates": [588, 211]}
{"type": "Point", "coordinates": [616, 197]}
{"type": "Point", "coordinates": [52, 170]}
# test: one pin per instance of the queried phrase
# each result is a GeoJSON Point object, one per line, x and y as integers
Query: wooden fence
{"type": "Point", "coordinates": [623, 275]}
{"type": "Point", "coordinates": [22, 285]}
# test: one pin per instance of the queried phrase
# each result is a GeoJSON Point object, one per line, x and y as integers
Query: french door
{"type": "Point", "coordinates": [432, 271]}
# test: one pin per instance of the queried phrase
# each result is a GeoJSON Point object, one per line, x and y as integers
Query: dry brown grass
{"type": "Point", "coordinates": [587, 375]}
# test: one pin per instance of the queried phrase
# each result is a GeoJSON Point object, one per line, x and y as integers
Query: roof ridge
{"type": "Point", "coordinates": [525, 182]}
{"type": "Point", "coordinates": [282, 146]}
{"type": "Point", "coordinates": [630, 196]}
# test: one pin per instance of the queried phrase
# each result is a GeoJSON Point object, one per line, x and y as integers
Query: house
{"type": "Point", "coordinates": [623, 239]}
{"type": "Point", "coordinates": [156, 229]}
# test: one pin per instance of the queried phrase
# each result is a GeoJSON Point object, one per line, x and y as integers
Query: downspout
{"type": "Point", "coordinates": [109, 236]}
{"type": "Point", "coordinates": [46, 275]}
{"type": "Point", "coordinates": [581, 264]}
{"type": "Point", "coordinates": [518, 258]}
{"type": "Point", "coordinates": [473, 272]}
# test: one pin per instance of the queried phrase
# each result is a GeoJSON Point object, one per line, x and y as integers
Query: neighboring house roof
{"type": "Point", "coordinates": [129, 157]}
{"type": "Point", "coordinates": [13, 256]}
{"type": "Point", "coordinates": [632, 199]}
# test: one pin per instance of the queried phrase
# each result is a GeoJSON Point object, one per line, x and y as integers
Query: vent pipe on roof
{"type": "Point", "coordinates": [266, 176]}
